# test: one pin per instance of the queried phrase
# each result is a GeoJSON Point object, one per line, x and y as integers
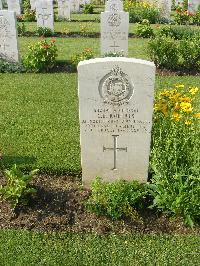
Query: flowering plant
{"type": "Point", "coordinates": [41, 56]}
{"type": "Point", "coordinates": [174, 153]}
{"type": "Point", "coordinates": [141, 10]}
{"type": "Point", "coordinates": [85, 55]}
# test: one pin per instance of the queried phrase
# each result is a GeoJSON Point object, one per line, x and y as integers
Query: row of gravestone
{"type": "Point", "coordinates": [115, 107]}
{"type": "Point", "coordinates": [65, 7]}
{"type": "Point", "coordinates": [114, 31]}
{"type": "Point", "coordinates": [165, 5]}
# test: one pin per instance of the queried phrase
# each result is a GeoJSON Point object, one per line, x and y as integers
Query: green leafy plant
{"type": "Point", "coordinates": [144, 29]}
{"type": "Point", "coordinates": [179, 32]}
{"type": "Point", "coordinates": [164, 52]}
{"type": "Point", "coordinates": [88, 9]}
{"type": "Point", "coordinates": [175, 152]}
{"type": "Point", "coordinates": [29, 15]}
{"type": "Point", "coordinates": [114, 54]}
{"type": "Point", "coordinates": [17, 187]}
{"type": "Point", "coordinates": [21, 28]}
{"type": "Point", "coordinates": [41, 56]}
{"type": "Point", "coordinates": [190, 53]}
{"type": "Point", "coordinates": [44, 32]}
{"type": "Point", "coordinates": [177, 55]}
{"type": "Point", "coordinates": [117, 199]}
{"type": "Point", "coordinates": [10, 67]}
{"type": "Point", "coordinates": [141, 10]}
{"type": "Point", "coordinates": [85, 55]}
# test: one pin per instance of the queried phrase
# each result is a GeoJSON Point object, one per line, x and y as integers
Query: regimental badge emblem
{"type": "Point", "coordinates": [114, 20]}
{"type": "Point", "coordinates": [116, 87]}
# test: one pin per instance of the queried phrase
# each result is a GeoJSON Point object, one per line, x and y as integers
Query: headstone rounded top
{"type": "Point", "coordinates": [115, 59]}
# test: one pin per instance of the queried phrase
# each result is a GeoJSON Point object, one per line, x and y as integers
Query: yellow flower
{"type": "Point", "coordinates": [176, 116]}
{"type": "Point", "coordinates": [193, 90]}
{"type": "Point", "coordinates": [197, 115]}
{"type": "Point", "coordinates": [180, 86]}
{"type": "Point", "coordinates": [185, 99]}
{"type": "Point", "coordinates": [186, 107]}
{"type": "Point", "coordinates": [188, 122]}
{"type": "Point", "coordinates": [161, 107]}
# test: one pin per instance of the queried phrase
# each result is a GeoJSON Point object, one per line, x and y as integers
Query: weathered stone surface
{"type": "Point", "coordinates": [14, 5]}
{"type": "Point", "coordinates": [64, 9]}
{"type": "Point", "coordinates": [75, 6]}
{"type": "Point", "coordinates": [114, 6]}
{"type": "Point", "coordinates": [193, 5]}
{"type": "Point", "coordinates": [33, 4]}
{"type": "Point", "coordinates": [44, 13]}
{"type": "Point", "coordinates": [8, 36]}
{"type": "Point", "coordinates": [115, 107]}
{"type": "Point", "coordinates": [114, 32]}
{"type": "Point", "coordinates": [165, 8]}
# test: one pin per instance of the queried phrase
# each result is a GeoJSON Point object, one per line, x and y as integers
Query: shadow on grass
{"type": "Point", "coordinates": [24, 162]}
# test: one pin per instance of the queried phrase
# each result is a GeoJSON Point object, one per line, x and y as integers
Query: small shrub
{"type": "Point", "coordinates": [85, 55]}
{"type": "Point", "coordinates": [17, 187]}
{"type": "Point", "coordinates": [116, 54]}
{"type": "Point", "coordinates": [10, 67]}
{"type": "Point", "coordinates": [44, 32]}
{"type": "Point", "coordinates": [190, 53]}
{"type": "Point", "coordinates": [196, 18]}
{"type": "Point", "coordinates": [175, 152]}
{"type": "Point", "coordinates": [182, 16]}
{"type": "Point", "coordinates": [164, 52]}
{"type": "Point", "coordinates": [29, 16]}
{"type": "Point", "coordinates": [41, 56]}
{"type": "Point", "coordinates": [88, 9]}
{"type": "Point", "coordinates": [21, 28]}
{"type": "Point", "coordinates": [141, 10]}
{"type": "Point", "coordinates": [117, 199]}
{"type": "Point", "coordinates": [179, 32]}
{"type": "Point", "coordinates": [144, 29]}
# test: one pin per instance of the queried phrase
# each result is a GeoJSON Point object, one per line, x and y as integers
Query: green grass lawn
{"type": "Point", "coordinates": [39, 121]}
{"type": "Point", "coordinates": [67, 47]}
{"type": "Point", "coordinates": [21, 248]}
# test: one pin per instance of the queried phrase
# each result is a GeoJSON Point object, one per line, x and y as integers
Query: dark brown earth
{"type": "Point", "coordinates": [59, 206]}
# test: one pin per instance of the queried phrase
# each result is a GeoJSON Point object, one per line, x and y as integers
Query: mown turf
{"type": "Point", "coordinates": [39, 119]}
{"type": "Point", "coordinates": [25, 248]}
{"type": "Point", "coordinates": [67, 47]}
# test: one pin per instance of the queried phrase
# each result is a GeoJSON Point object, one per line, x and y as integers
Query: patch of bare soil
{"type": "Point", "coordinates": [59, 206]}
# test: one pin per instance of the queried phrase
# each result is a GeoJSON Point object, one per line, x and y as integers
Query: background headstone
{"type": "Point", "coordinates": [193, 5]}
{"type": "Point", "coordinates": [114, 6]}
{"type": "Point", "coordinates": [14, 5]}
{"type": "Point", "coordinates": [33, 4]}
{"type": "Point", "coordinates": [75, 6]}
{"type": "Point", "coordinates": [115, 110]}
{"type": "Point", "coordinates": [8, 36]}
{"type": "Point", "coordinates": [44, 14]}
{"type": "Point", "coordinates": [114, 29]}
{"type": "Point", "coordinates": [165, 8]}
{"type": "Point", "coordinates": [64, 9]}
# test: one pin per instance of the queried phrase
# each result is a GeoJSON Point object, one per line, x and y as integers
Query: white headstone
{"type": "Point", "coordinates": [115, 110]}
{"type": "Point", "coordinates": [44, 14]}
{"type": "Point", "coordinates": [14, 5]}
{"type": "Point", "coordinates": [114, 6]}
{"type": "Point", "coordinates": [1, 5]}
{"type": "Point", "coordinates": [75, 6]}
{"type": "Point", "coordinates": [193, 5]}
{"type": "Point", "coordinates": [114, 29]}
{"type": "Point", "coordinates": [165, 8]}
{"type": "Point", "coordinates": [8, 36]}
{"type": "Point", "coordinates": [33, 4]}
{"type": "Point", "coordinates": [64, 9]}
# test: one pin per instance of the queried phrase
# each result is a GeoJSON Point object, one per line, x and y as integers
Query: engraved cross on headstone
{"type": "Point", "coordinates": [44, 15]}
{"type": "Point", "coordinates": [114, 46]}
{"type": "Point", "coordinates": [115, 149]}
